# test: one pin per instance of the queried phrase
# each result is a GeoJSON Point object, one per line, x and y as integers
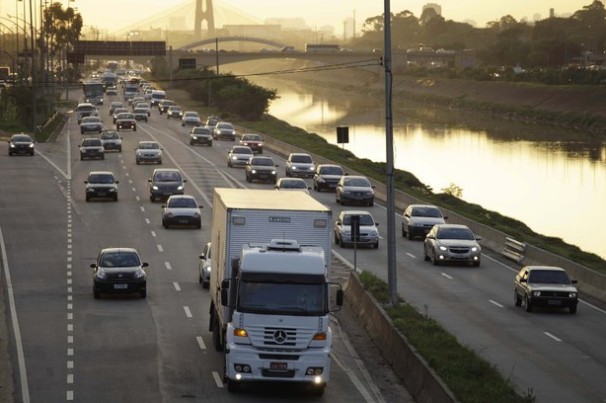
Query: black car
{"type": "Point", "coordinates": [165, 182]}
{"type": "Point", "coordinates": [119, 270]}
{"type": "Point", "coordinates": [327, 176]}
{"type": "Point", "coordinates": [21, 144]}
{"type": "Point", "coordinates": [201, 135]}
{"type": "Point", "coordinates": [355, 190]}
{"type": "Point", "coordinates": [101, 185]}
{"type": "Point", "coordinates": [545, 286]}
{"type": "Point", "coordinates": [126, 120]}
{"type": "Point", "coordinates": [261, 169]}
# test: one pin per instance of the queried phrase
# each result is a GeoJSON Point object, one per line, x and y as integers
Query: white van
{"type": "Point", "coordinates": [157, 96]}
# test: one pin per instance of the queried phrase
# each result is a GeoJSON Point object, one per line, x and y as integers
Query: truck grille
{"type": "Point", "coordinates": [274, 337]}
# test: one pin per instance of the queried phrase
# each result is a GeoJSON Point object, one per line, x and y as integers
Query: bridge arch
{"type": "Point", "coordinates": [209, 41]}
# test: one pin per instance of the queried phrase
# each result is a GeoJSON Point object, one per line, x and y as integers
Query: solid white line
{"type": "Point", "coordinates": [495, 303]}
{"type": "Point", "coordinates": [355, 380]}
{"type": "Point", "coordinates": [15, 320]}
{"type": "Point", "coordinates": [201, 343]}
{"type": "Point", "coordinates": [167, 265]}
{"type": "Point", "coordinates": [187, 312]}
{"type": "Point", "coordinates": [446, 275]}
{"type": "Point", "coordinates": [218, 379]}
{"type": "Point", "coordinates": [552, 336]}
{"type": "Point", "coordinates": [177, 286]}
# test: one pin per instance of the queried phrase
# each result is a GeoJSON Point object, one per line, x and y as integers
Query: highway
{"type": "Point", "coordinates": [158, 349]}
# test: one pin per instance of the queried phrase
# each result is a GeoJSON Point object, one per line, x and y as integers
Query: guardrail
{"type": "Point", "coordinates": [514, 250]}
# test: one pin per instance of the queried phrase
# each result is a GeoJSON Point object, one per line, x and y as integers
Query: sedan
{"type": "Point", "coordinates": [301, 165]}
{"type": "Point", "coordinates": [91, 124]}
{"type": "Point", "coordinates": [119, 270]}
{"type": "Point", "coordinates": [292, 184]}
{"type": "Point", "coordinates": [118, 111]}
{"type": "Point", "coordinates": [327, 176]}
{"type": "Point", "coordinates": [126, 120]}
{"type": "Point", "coordinates": [148, 151]}
{"type": "Point", "coordinates": [165, 182]}
{"type": "Point", "coordinates": [418, 219]}
{"type": "Point", "coordinates": [224, 130]}
{"type": "Point", "coordinates": [254, 141]}
{"type": "Point", "coordinates": [91, 148]}
{"type": "Point", "coordinates": [204, 266]}
{"type": "Point", "coordinates": [164, 105]}
{"type": "Point", "coordinates": [115, 105]}
{"type": "Point", "coordinates": [181, 210]}
{"type": "Point", "coordinates": [261, 169]}
{"type": "Point", "coordinates": [355, 189]}
{"type": "Point", "coordinates": [452, 243]}
{"type": "Point", "coordinates": [101, 185]}
{"type": "Point", "coordinates": [111, 140]}
{"type": "Point", "coordinates": [545, 286]}
{"type": "Point", "coordinates": [238, 156]}
{"type": "Point", "coordinates": [201, 135]}
{"type": "Point", "coordinates": [174, 112]}
{"type": "Point", "coordinates": [190, 118]}
{"type": "Point", "coordinates": [141, 114]}
{"type": "Point", "coordinates": [345, 231]}
{"type": "Point", "coordinates": [21, 144]}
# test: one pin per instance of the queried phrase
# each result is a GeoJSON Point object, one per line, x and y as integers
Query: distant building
{"type": "Point", "coordinates": [436, 7]}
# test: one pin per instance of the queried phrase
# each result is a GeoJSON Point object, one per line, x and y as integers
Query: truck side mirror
{"type": "Point", "coordinates": [339, 297]}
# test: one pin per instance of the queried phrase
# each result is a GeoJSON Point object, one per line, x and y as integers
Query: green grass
{"type": "Point", "coordinates": [467, 375]}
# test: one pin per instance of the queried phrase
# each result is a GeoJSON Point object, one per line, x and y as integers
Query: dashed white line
{"type": "Point", "coordinates": [153, 233]}
{"type": "Point", "coordinates": [142, 209]}
{"type": "Point", "coordinates": [447, 276]}
{"type": "Point", "coordinates": [187, 312]}
{"type": "Point", "coordinates": [147, 221]}
{"type": "Point", "coordinates": [70, 352]}
{"type": "Point", "coordinates": [70, 378]}
{"type": "Point", "coordinates": [70, 365]}
{"type": "Point", "coordinates": [496, 303]}
{"type": "Point", "coordinates": [552, 337]}
{"type": "Point", "coordinates": [411, 255]}
{"type": "Point", "coordinates": [70, 395]}
{"type": "Point", "coordinates": [137, 198]}
{"type": "Point", "coordinates": [168, 266]}
{"type": "Point", "coordinates": [160, 248]}
{"type": "Point", "coordinates": [177, 286]}
{"type": "Point", "coordinates": [201, 343]}
{"type": "Point", "coordinates": [218, 379]}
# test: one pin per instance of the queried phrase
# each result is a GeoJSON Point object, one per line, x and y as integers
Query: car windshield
{"type": "Point", "coordinates": [331, 171]}
{"type": "Point", "coordinates": [101, 178]}
{"type": "Point", "coordinates": [91, 142]}
{"type": "Point", "coordinates": [548, 277]}
{"type": "Point", "coordinates": [365, 219]}
{"type": "Point", "coordinates": [266, 162]}
{"type": "Point", "coordinates": [426, 212]}
{"type": "Point", "coordinates": [167, 177]}
{"type": "Point", "coordinates": [91, 119]}
{"type": "Point", "coordinates": [357, 182]}
{"type": "Point", "coordinates": [149, 146]}
{"type": "Point", "coordinates": [182, 202]}
{"type": "Point", "coordinates": [251, 137]}
{"type": "Point", "coordinates": [305, 159]}
{"type": "Point", "coordinates": [201, 130]}
{"type": "Point", "coordinates": [242, 150]}
{"type": "Point", "coordinates": [293, 184]}
{"type": "Point", "coordinates": [125, 116]}
{"type": "Point", "coordinates": [224, 126]}
{"type": "Point", "coordinates": [191, 115]}
{"type": "Point", "coordinates": [140, 111]}
{"type": "Point", "coordinates": [21, 138]}
{"type": "Point", "coordinates": [119, 259]}
{"type": "Point", "coordinates": [455, 233]}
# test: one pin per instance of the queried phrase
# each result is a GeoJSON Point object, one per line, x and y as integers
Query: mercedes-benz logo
{"type": "Point", "coordinates": [280, 336]}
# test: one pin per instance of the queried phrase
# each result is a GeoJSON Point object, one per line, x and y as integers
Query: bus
{"type": "Point", "coordinates": [93, 92]}
{"type": "Point", "coordinates": [322, 48]}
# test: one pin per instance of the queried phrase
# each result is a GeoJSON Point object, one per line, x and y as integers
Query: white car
{"type": "Point", "coordinates": [190, 118]}
{"type": "Point", "coordinates": [368, 232]}
{"type": "Point", "coordinates": [453, 243]}
{"type": "Point", "coordinates": [297, 184]}
{"type": "Point", "coordinates": [418, 219]}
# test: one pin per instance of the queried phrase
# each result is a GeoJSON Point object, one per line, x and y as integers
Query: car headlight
{"type": "Point", "coordinates": [293, 168]}
{"type": "Point", "coordinates": [100, 274]}
{"type": "Point", "coordinates": [207, 268]}
{"type": "Point", "coordinates": [322, 180]}
{"type": "Point", "coordinates": [196, 215]}
{"type": "Point", "coordinates": [273, 172]}
{"type": "Point", "coordinates": [442, 248]}
{"type": "Point", "coordinates": [572, 295]}
{"type": "Point", "coordinates": [311, 169]}
{"type": "Point", "coordinates": [373, 233]}
{"type": "Point", "coordinates": [536, 293]}
{"type": "Point", "coordinates": [253, 171]}
{"type": "Point", "coordinates": [31, 145]}
{"type": "Point", "coordinates": [234, 158]}
{"type": "Point", "coordinates": [12, 145]}
{"type": "Point", "coordinates": [139, 273]}
{"type": "Point", "coordinates": [180, 187]}
{"type": "Point", "coordinates": [155, 187]}
{"type": "Point", "coordinates": [474, 249]}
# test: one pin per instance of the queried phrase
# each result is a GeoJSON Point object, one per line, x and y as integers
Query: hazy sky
{"type": "Point", "coordinates": [115, 14]}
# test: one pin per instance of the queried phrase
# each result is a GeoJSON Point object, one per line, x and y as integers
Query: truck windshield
{"type": "Point", "coordinates": [282, 298]}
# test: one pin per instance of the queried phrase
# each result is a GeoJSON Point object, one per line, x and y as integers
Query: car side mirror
{"type": "Point", "coordinates": [523, 280]}
{"type": "Point", "coordinates": [85, 181]}
{"type": "Point", "coordinates": [573, 281]}
{"type": "Point", "coordinates": [144, 264]}
{"type": "Point", "coordinates": [149, 180]}
{"type": "Point", "coordinates": [116, 182]}
{"type": "Point", "coordinates": [163, 206]}
{"type": "Point", "coordinates": [446, 217]}
{"type": "Point", "coordinates": [376, 224]}
{"type": "Point", "coordinates": [93, 265]}
{"type": "Point", "coordinates": [478, 238]}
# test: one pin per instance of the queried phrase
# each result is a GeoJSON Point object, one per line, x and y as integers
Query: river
{"type": "Point", "coordinates": [553, 180]}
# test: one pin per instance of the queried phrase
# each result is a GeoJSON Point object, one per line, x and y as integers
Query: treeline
{"type": "Point", "coordinates": [552, 42]}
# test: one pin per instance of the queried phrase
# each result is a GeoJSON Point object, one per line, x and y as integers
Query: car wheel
{"type": "Point", "coordinates": [96, 293]}
{"type": "Point", "coordinates": [116, 198]}
{"type": "Point", "coordinates": [144, 294]}
{"type": "Point", "coordinates": [137, 162]}
{"type": "Point", "coordinates": [103, 157]}
{"type": "Point", "coordinates": [517, 301]}
{"type": "Point", "coordinates": [205, 285]}
{"type": "Point", "coordinates": [152, 198]}
{"type": "Point", "coordinates": [476, 264]}
{"type": "Point", "coordinates": [87, 198]}
{"type": "Point", "coordinates": [210, 144]}
{"type": "Point", "coordinates": [403, 231]}
{"type": "Point", "coordinates": [376, 245]}
{"type": "Point", "coordinates": [341, 243]}
{"type": "Point", "coordinates": [434, 260]}
{"type": "Point", "coordinates": [216, 334]}
{"type": "Point", "coordinates": [120, 149]}
{"type": "Point", "coordinates": [81, 158]}
{"type": "Point", "coordinates": [160, 162]}
{"type": "Point", "coordinates": [191, 143]}
{"type": "Point", "coordinates": [527, 304]}
{"type": "Point", "coordinates": [199, 225]}
{"type": "Point", "coordinates": [572, 309]}
{"type": "Point", "coordinates": [135, 128]}
{"type": "Point", "coordinates": [410, 237]}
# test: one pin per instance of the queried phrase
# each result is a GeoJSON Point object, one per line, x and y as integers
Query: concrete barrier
{"type": "Point", "coordinates": [420, 380]}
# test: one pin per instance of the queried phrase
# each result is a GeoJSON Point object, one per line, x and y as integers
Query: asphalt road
{"type": "Point", "coordinates": [127, 349]}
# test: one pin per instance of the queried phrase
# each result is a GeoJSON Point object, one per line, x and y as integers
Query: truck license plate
{"type": "Point", "coordinates": [278, 365]}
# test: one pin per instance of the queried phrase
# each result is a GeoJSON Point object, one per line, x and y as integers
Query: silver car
{"type": "Point", "coordinates": [181, 210]}
{"type": "Point", "coordinates": [190, 118]}
{"type": "Point", "coordinates": [204, 266]}
{"type": "Point", "coordinates": [91, 124]}
{"type": "Point", "coordinates": [148, 151]}
{"type": "Point", "coordinates": [238, 156]}
{"type": "Point", "coordinates": [300, 165]}
{"type": "Point", "coordinates": [454, 243]}
{"type": "Point", "coordinates": [418, 219]}
{"type": "Point", "coordinates": [368, 235]}
{"type": "Point", "coordinates": [224, 130]}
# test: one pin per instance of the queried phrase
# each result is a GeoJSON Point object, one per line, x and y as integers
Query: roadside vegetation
{"type": "Point", "coordinates": [467, 375]}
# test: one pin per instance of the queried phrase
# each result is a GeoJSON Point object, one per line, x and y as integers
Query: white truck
{"type": "Point", "coordinates": [270, 288]}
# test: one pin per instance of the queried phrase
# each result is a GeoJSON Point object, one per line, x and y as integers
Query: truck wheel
{"type": "Point", "coordinates": [217, 335]}
{"type": "Point", "coordinates": [233, 386]}
{"type": "Point", "coordinates": [317, 390]}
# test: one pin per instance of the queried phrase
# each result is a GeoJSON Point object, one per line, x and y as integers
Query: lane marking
{"type": "Point", "coordinates": [142, 209]}
{"type": "Point", "coordinates": [446, 275]}
{"type": "Point", "coordinates": [153, 233]}
{"type": "Point", "coordinates": [218, 379]}
{"type": "Point", "coordinates": [201, 343]}
{"type": "Point", "coordinates": [552, 337]}
{"type": "Point", "coordinates": [177, 286]}
{"type": "Point", "coordinates": [160, 248]}
{"type": "Point", "coordinates": [411, 255]}
{"type": "Point", "coordinates": [187, 312]}
{"type": "Point", "coordinates": [496, 303]}
{"type": "Point", "coordinates": [70, 395]}
{"type": "Point", "coordinates": [168, 266]}
{"type": "Point", "coordinates": [147, 221]}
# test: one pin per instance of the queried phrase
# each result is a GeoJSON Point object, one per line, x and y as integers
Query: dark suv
{"type": "Point", "coordinates": [165, 182]}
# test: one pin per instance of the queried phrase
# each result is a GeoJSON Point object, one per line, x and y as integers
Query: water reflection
{"type": "Point", "coordinates": [552, 179]}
